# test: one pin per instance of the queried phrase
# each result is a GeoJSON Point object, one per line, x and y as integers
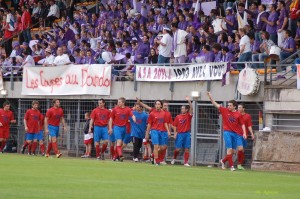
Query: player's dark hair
{"type": "Point", "coordinates": [122, 99]}
{"type": "Point", "coordinates": [164, 101]}
{"type": "Point", "coordinates": [243, 105]}
{"type": "Point", "coordinates": [34, 102]}
{"type": "Point", "coordinates": [102, 100]}
{"type": "Point", "coordinates": [161, 103]}
{"type": "Point", "coordinates": [54, 101]}
{"type": "Point", "coordinates": [233, 102]}
{"type": "Point", "coordinates": [6, 103]}
{"type": "Point", "coordinates": [187, 107]}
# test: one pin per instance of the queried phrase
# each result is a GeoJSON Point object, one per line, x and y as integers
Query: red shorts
{"type": "Point", "coordinates": [4, 133]}
{"type": "Point", "coordinates": [89, 141]}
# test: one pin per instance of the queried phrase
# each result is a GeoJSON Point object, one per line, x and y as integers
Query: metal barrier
{"type": "Point", "coordinates": [285, 122]}
{"type": "Point", "coordinates": [207, 136]}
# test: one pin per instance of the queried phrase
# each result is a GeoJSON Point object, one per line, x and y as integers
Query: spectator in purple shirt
{"type": "Point", "coordinates": [230, 21]}
{"type": "Point", "coordinates": [182, 23]}
{"type": "Point", "coordinates": [208, 55]}
{"type": "Point", "coordinates": [271, 27]}
{"type": "Point", "coordinates": [226, 55]}
{"type": "Point", "coordinates": [89, 59]}
{"type": "Point", "coordinates": [282, 22]}
{"type": "Point", "coordinates": [288, 47]}
{"type": "Point", "coordinates": [141, 50]}
{"type": "Point", "coordinates": [216, 48]}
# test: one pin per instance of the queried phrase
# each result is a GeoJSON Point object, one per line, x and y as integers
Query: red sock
{"type": "Point", "coordinates": [25, 144]}
{"type": "Point", "coordinates": [175, 154]}
{"type": "Point", "coordinates": [160, 155]}
{"type": "Point", "coordinates": [49, 147]}
{"type": "Point", "coordinates": [97, 150]}
{"type": "Point", "coordinates": [241, 157]}
{"type": "Point", "coordinates": [34, 145]}
{"type": "Point", "coordinates": [230, 160]}
{"type": "Point", "coordinates": [29, 147]}
{"type": "Point", "coordinates": [104, 146]}
{"type": "Point", "coordinates": [42, 148]}
{"type": "Point", "coordinates": [225, 159]}
{"type": "Point", "coordinates": [186, 157]}
{"type": "Point", "coordinates": [54, 145]}
{"type": "Point", "coordinates": [119, 149]}
{"type": "Point", "coordinates": [157, 160]}
{"type": "Point", "coordinates": [115, 152]}
{"type": "Point", "coordinates": [2, 145]}
{"type": "Point", "coordinates": [112, 151]}
{"type": "Point", "coordinates": [163, 155]}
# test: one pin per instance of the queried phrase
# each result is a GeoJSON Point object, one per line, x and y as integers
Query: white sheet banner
{"type": "Point", "coordinates": [67, 80]}
{"type": "Point", "coordinates": [208, 6]}
{"type": "Point", "coordinates": [207, 71]}
{"type": "Point", "coordinates": [298, 76]}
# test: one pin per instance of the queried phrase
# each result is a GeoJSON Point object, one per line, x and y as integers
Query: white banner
{"type": "Point", "coordinates": [67, 80]}
{"type": "Point", "coordinates": [207, 71]}
{"type": "Point", "coordinates": [206, 7]}
{"type": "Point", "coordinates": [1, 81]}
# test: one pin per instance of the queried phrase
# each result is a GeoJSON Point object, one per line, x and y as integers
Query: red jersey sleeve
{"type": "Point", "coordinates": [49, 113]}
{"type": "Point", "coordinates": [248, 121]}
{"type": "Point", "coordinates": [26, 117]}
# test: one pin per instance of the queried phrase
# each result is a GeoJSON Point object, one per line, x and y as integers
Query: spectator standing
{"type": "Point", "coordinates": [164, 48]}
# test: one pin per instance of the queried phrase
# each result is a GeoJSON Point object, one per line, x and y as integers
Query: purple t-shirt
{"type": "Point", "coordinates": [273, 17]}
{"type": "Point", "coordinates": [289, 43]}
{"type": "Point", "coordinates": [283, 14]}
{"type": "Point", "coordinates": [298, 32]}
{"type": "Point", "coordinates": [232, 19]}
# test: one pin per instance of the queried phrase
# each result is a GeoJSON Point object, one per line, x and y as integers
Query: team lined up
{"type": "Point", "coordinates": [122, 124]}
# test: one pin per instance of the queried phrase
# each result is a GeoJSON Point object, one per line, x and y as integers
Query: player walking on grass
{"type": "Point", "coordinates": [157, 123]}
{"type": "Point", "coordinates": [162, 149]}
{"type": "Point", "coordinates": [182, 132]}
{"type": "Point", "coordinates": [100, 119]}
{"type": "Point", "coordinates": [119, 118]}
{"type": "Point", "coordinates": [54, 116]}
{"type": "Point", "coordinates": [234, 129]}
{"type": "Point", "coordinates": [248, 125]}
{"type": "Point", "coordinates": [138, 130]}
{"type": "Point", "coordinates": [6, 117]}
{"type": "Point", "coordinates": [32, 128]}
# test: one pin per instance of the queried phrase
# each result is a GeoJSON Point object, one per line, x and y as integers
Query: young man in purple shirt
{"type": "Point", "coordinates": [271, 27]}
{"type": "Point", "coordinates": [282, 22]}
{"type": "Point", "coordinates": [288, 46]}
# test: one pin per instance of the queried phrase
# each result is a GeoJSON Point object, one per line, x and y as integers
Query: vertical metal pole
{"type": "Point", "coordinates": [194, 134]}
{"type": "Point", "coordinates": [77, 128]}
{"type": "Point", "coordinates": [19, 125]}
{"type": "Point", "coordinates": [223, 147]}
{"type": "Point", "coordinates": [135, 84]}
{"type": "Point", "coordinates": [12, 79]}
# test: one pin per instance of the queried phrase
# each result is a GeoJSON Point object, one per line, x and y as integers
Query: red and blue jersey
{"type": "Point", "coordinates": [157, 120]}
{"type": "Point", "coordinates": [54, 116]}
{"type": "Point", "coordinates": [32, 118]}
{"type": "Point", "coordinates": [100, 116]}
{"type": "Point", "coordinates": [232, 120]}
{"type": "Point", "coordinates": [120, 116]}
{"type": "Point", "coordinates": [183, 122]}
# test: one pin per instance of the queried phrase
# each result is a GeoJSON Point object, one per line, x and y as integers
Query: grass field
{"type": "Point", "coordinates": [23, 176]}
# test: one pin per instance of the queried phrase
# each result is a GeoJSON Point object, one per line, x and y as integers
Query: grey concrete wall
{"type": "Point", "coordinates": [155, 90]}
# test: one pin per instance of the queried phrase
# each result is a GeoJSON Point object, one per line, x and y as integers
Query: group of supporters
{"type": "Point", "coordinates": [121, 125]}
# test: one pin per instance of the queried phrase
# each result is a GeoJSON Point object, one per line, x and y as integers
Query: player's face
{"type": "Point", "coordinates": [35, 106]}
{"type": "Point", "coordinates": [241, 109]}
{"type": "Point", "coordinates": [6, 107]}
{"type": "Point", "coordinates": [231, 107]}
{"type": "Point", "coordinates": [165, 106]}
{"type": "Point", "coordinates": [138, 107]}
{"type": "Point", "coordinates": [120, 103]}
{"type": "Point", "coordinates": [183, 110]}
{"type": "Point", "coordinates": [101, 103]}
{"type": "Point", "coordinates": [157, 105]}
{"type": "Point", "coordinates": [86, 116]}
{"type": "Point", "coordinates": [57, 103]}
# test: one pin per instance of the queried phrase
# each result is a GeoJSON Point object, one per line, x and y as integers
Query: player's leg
{"type": "Point", "coordinates": [41, 142]}
{"type": "Point", "coordinates": [240, 153]}
{"type": "Point", "coordinates": [228, 143]}
{"type": "Point", "coordinates": [104, 136]}
{"type": "Point", "coordinates": [186, 146]}
{"type": "Point", "coordinates": [137, 144]}
{"type": "Point", "coordinates": [112, 141]}
{"type": "Point", "coordinates": [178, 146]}
{"type": "Point", "coordinates": [34, 144]}
{"type": "Point", "coordinates": [29, 139]}
{"type": "Point", "coordinates": [155, 141]}
{"type": "Point", "coordinates": [89, 149]}
{"type": "Point", "coordinates": [25, 145]}
{"type": "Point", "coordinates": [54, 133]}
{"type": "Point", "coordinates": [163, 147]}
{"type": "Point", "coordinates": [97, 138]}
{"type": "Point", "coordinates": [86, 149]}
{"type": "Point", "coordinates": [5, 138]}
{"type": "Point", "coordinates": [119, 134]}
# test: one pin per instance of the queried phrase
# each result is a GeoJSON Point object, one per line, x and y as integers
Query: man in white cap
{"type": "Point", "coordinates": [49, 58]}
{"type": "Point", "coordinates": [165, 45]}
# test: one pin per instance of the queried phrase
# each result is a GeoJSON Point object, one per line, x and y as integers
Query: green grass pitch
{"type": "Point", "coordinates": [23, 176]}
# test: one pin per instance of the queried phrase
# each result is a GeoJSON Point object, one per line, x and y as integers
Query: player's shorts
{"type": "Point", "coordinates": [127, 138]}
{"type": "Point", "coordinates": [183, 140]}
{"type": "Point", "coordinates": [159, 137]}
{"type": "Point", "coordinates": [4, 133]}
{"type": "Point", "coordinates": [31, 136]}
{"type": "Point", "coordinates": [100, 133]}
{"type": "Point", "coordinates": [111, 137]}
{"type": "Point", "coordinates": [119, 132]}
{"type": "Point", "coordinates": [245, 143]}
{"type": "Point", "coordinates": [40, 135]}
{"type": "Point", "coordinates": [53, 130]}
{"type": "Point", "coordinates": [230, 139]}
{"type": "Point", "coordinates": [89, 141]}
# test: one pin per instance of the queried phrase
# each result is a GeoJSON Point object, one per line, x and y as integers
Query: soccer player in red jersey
{"type": "Point", "coordinates": [182, 132]}
{"type": "Point", "coordinates": [100, 118]}
{"type": "Point", "coordinates": [32, 127]}
{"type": "Point", "coordinates": [54, 116]}
{"type": "Point", "coordinates": [119, 118]}
{"type": "Point", "coordinates": [160, 131]}
{"type": "Point", "coordinates": [41, 135]}
{"type": "Point", "coordinates": [234, 129]}
{"type": "Point", "coordinates": [248, 124]}
{"type": "Point", "coordinates": [6, 117]}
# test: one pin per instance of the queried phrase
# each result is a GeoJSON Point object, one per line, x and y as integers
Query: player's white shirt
{"type": "Point", "coordinates": [61, 60]}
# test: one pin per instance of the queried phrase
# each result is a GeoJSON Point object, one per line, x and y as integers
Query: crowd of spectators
{"type": "Point", "coordinates": [147, 31]}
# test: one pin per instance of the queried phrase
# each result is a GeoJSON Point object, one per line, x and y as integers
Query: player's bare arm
{"type": "Point", "coordinates": [168, 129]}
{"type": "Point", "coordinates": [213, 101]}
{"type": "Point", "coordinates": [110, 126]}
{"type": "Point", "coordinates": [175, 132]}
{"type": "Point", "coordinates": [143, 105]}
{"type": "Point", "coordinates": [251, 132]}
{"type": "Point", "coordinates": [46, 125]}
{"type": "Point", "coordinates": [91, 124]}
{"type": "Point", "coordinates": [148, 131]}
{"type": "Point", "coordinates": [134, 118]}
{"type": "Point", "coordinates": [190, 104]}
{"type": "Point", "coordinates": [244, 131]}
{"type": "Point", "coordinates": [64, 123]}
{"type": "Point", "coordinates": [25, 125]}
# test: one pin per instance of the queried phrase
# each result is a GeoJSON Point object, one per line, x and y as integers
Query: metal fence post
{"type": "Point", "coordinates": [19, 125]}
{"type": "Point", "coordinates": [77, 128]}
{"type": "Point", "coordinates": [194, 133]}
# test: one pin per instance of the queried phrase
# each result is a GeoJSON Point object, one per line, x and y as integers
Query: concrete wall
{"type": "Point", "coordinates": [156, 90]}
